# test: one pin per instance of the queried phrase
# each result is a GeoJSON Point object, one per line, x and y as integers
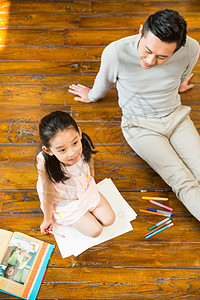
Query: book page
{"type": "Point", "coordinates": [20, 264]}
{"type": "Point", "coordinates": [5, 237]}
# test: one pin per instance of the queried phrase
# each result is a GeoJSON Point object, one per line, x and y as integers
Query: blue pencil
{"type": "Point", "coordinates": [161, 229]}
{"type": "Point", "coordinates": [161, 211]}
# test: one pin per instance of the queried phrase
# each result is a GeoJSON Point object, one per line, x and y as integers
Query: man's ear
{"type": "Point", "coordinates": [46, 150]}
{"type": "Point", "coordinates": [140, 30]}
{"type": "Point", "coordinates": [80, 132]}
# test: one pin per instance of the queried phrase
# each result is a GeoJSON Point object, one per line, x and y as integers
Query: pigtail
{"type": "Point", "coordinates": [87, 147]}
{"type": "Point", "coordinates": [54, 168]}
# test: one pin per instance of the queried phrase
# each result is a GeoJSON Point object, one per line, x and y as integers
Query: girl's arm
{"type": "Point", "coordinates": [91, 166]}
{"type": "Point", "coordinates": [48, 198]}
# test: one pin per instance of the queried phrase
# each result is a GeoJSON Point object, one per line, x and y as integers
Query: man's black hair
{"type": "Point", "coordinates": [168, 26]}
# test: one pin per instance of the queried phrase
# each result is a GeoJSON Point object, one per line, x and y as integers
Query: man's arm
{"type": "Point", "coordinates": [105, 78]}
{"type": "Point", "coordinates": [185, 84]}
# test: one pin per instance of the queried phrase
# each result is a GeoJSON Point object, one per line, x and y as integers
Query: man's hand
{"type": "Point", "coordinates": [185, 84]}
{"type": "Point", "coordinates": [81, 91]}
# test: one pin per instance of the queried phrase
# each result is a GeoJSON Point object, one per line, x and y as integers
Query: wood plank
{"type": "Point", "coordinates": [121, 283]}
{"type": "Point", "coordinates": [145, 7]}
{"type": "Point", "coordinates": [128, 21]}
{"type": "Point", "coordinates": [42, 37]}
{"type": "Point", "coordinates": [105, 36]}
{"type": "Point", "coordinates": [48, 80]}
{"type": "Point", "coordinates": [20, 202]}
{"type": "Point", "coordinates": [19, 153]}
{"type": "Point", "coordinates": [19, 133]}
{"type": "Point", "coordinates": [20, 95]}
{"type": "Point", "coordinates": [132, 254]}
{"type": "Point", "coordinates": [96, 36]}
{"type": "Point", "coordinates": [27, 114]}
{"type": "Point", "coordinates": [65, 54]}
{"type": "Point", "coordinates": [40, 67]}
{"type": "Point", "coordinates": [39, 20]}
{"type": "Point", "coordinates": [46, 7]}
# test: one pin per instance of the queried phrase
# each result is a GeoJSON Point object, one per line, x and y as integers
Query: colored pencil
{"type": "Point", "coordinates": [161, 205]}
{"type": "Point", "coordinates": [162, 225]}
{"type": "Point", "coordinates": [161, 211]}
{"type": "Point", "coordinates": [161, 229]}
{"type": "Point", "coordinates": [156, 198]}
{"type": "Point", "coordinates": [54, 233]}
{"type": "Point", "coordinates": [159, 223]}
{"type": "Point", "coordinates": [152, 212]}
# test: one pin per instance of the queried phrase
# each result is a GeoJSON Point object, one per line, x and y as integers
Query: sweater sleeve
{"type": "Point", "coordinates": [107, 74]}
{"type": "Point", "coordinates": [193, 58]}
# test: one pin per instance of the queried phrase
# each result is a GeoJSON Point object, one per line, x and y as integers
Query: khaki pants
{"type": "Point", "coordinates": [171, 146]}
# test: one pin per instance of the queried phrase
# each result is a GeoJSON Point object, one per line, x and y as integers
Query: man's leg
{"type": "Point", "coordinates": [186, 142]}
{"type": "Point", "coordinates": [157, 151]}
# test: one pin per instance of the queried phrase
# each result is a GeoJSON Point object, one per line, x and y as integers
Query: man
{"type": "Point", "coordinates": [150, 69]}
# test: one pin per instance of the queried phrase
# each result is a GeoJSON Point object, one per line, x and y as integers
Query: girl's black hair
{"type": "Point", "coordinates": [50, 125]}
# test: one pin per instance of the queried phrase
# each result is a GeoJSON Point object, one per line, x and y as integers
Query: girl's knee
{"type": "Point", "coordinates": [96, 230]}
{"type": "Point", "coordinates": [109, 220]}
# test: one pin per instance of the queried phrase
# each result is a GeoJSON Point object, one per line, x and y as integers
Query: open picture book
{"type": "Point", "coordinates": [23, 261]}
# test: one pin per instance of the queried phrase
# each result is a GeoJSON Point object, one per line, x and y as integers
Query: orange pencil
{"type": "Point", "coordinates": [153, 213]}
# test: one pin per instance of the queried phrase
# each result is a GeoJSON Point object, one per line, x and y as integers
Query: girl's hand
{"type": "Point", "coordinates": [46, 225]}
{"type": "Point", "coordinates": [185, 84]}
{"type": "Point", "coordinates": [81, 91]}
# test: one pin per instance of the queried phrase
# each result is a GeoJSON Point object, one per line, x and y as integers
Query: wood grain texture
{"type": "Point", "coordinates": [44, 47]}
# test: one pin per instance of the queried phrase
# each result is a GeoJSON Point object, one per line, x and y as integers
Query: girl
{"type": "Point", "coordinates": [66, 187]}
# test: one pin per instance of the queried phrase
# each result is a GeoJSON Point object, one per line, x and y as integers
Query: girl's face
{"type": "Point", "coordinates": [66, 146]}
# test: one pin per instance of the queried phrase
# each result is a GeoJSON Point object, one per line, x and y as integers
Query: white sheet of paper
{"type": "Point", "coordinates": [75, 242]}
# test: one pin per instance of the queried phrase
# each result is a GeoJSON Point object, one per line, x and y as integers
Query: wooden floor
{"type": "Point", "coordinates": [46, 45]}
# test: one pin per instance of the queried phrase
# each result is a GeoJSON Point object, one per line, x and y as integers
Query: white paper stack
{"type": "Point", "coordinates": [75, 242]}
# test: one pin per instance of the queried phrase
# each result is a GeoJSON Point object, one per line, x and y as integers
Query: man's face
{"type": "Point", "coordinates": [153, 52]}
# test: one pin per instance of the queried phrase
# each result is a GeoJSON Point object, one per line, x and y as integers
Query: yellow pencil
{"type": "Point", "coordinates": [156, 198]}
{"type": "Point", "coordinates": [152, 212]}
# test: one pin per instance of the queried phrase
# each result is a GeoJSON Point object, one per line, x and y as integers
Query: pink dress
{"type": "Point", "coordinates": [75, 196]}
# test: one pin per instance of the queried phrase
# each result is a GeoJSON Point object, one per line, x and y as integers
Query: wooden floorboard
{"type": "Point", "coordinates": [44, 47]}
